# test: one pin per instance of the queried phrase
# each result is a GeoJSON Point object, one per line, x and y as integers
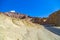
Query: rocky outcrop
{"type": "Point", "coordinates": [54, 18]}
{"type": "Point", "coordinates": [16, 15]}
{"type": "Point", "coordinates": [39, 20]}
{"type": "Point", "coordinates": [44, 21]}
{"type": "Point", "coordinates": [23, 16]}
{"type": "Point", "coordinates": [36, 20]}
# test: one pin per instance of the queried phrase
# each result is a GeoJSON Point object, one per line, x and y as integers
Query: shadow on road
{"type": "Point", "coordinates": [55, 30]}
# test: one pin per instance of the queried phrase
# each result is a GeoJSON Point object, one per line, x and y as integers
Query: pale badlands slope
{"type": "Point", "coordinates": [18, 29]}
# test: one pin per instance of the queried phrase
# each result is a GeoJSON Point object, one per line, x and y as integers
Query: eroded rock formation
{"type": "Point", "coordinates": [16, 15]}
{"type": "Point", "coordinates": [22, 16]}
{"type": "Point", "coordinates": [39, 20]}
{"type": "Point", "coordinates": [54, 18]}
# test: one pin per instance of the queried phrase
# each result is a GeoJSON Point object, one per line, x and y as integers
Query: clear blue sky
{"type": "Point", "coordinates": [40, 8]}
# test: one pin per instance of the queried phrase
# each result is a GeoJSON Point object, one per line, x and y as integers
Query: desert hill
{"type": "Point", "coordinates": [21, 28]}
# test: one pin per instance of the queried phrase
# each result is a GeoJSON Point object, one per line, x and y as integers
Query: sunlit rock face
{"type": "Point", "coordinates": [16, 15]}
{"type": "Point", "coordinates": [20, 29]}
{"type": "Point", "coordinates": [54, 18]}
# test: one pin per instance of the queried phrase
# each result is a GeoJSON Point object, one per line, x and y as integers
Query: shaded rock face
{"type": "Point", "coordinates": [44, 21]}
{"type": "Point", "coordinates": [54, 19]}
{"type": "Point", "coordinates": [36, 20]}
{"type": "Point", "coordinates": [39, 20]}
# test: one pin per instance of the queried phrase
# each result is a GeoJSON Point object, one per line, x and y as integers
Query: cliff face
{"type": "Point", "coordinates": [54, 18]}
{"type": "Point", "coordinates": [12, 28]}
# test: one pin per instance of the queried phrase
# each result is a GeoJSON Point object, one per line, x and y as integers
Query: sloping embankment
{"type": "Point", "coordinates": [18, 29]}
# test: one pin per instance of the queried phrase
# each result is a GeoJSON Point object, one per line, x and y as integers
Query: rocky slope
{"type": "Point", "coordinates": [54, 18]}
{"type": "Point", "coordinates": [12, 28]}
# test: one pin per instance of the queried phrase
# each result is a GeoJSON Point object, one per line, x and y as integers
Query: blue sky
{"type": "Point", "coordinates": [38, 8]}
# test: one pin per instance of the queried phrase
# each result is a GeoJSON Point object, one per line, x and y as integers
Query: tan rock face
{"type": "Point", "coordinates": [54, 19]}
